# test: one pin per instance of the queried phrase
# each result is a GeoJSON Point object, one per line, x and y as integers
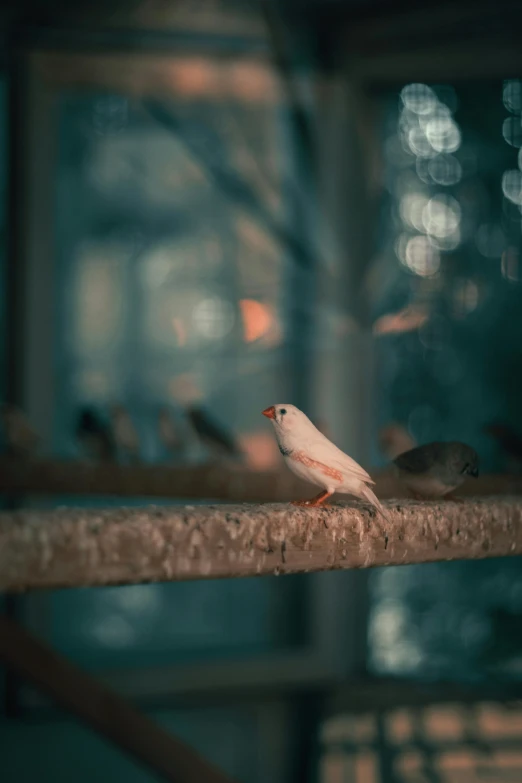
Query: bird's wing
{"type": "Point", "coordinates": [323, 450]}
{"type": "Point", "coordinates": [207, 428]}
{"type": "Point", "coordinates": [419, 460]}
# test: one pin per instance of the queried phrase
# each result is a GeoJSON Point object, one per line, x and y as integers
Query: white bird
{"type": "Point", "coordinates": [314, 458]}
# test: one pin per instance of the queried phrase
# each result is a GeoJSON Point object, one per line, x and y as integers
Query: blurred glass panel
{"type": "Point", "coordinates": [153, 625]}
{"type": "Point", "coordinates": [62, 751]}
{"type": "Point", "coordinates": [459, 621]}
{"type": "Point", "coordinates": [172, 289]}
{"type": "Point", "coordinates": [450, 253]}
{"type": "Point", "coordinates": [171, 279]}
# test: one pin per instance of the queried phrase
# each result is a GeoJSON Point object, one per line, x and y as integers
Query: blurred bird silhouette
{"type": "Point", "coordinates": [509, 441]}
{"type": "Point", "coordinates": [94, 436]}
{"type": "Point", "coordinates": [394, 439]}
{"type": "Point", "coordinates": [215, 438]}
{"type": "Point", "coordinates": [169, 433]}
{"type": "Point", "coordinates": [124, 434]}
{"type": "Point", "coordinates": [20, 439]}
{"type": "Point", "coordinates": [436, 469]}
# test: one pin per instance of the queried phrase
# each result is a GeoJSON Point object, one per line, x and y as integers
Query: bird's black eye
{"type": "Point", "coordinates": [282, 411]}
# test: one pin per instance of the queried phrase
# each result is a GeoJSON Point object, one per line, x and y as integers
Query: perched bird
{"type": "Point", "coordinates": [314, 458]}
{"type": "Point", "coordinates": [124, 433]}
{"type": "Point", "coordinates": [436, 469]}
{"type": "Point", "coordinates": [212, 436]}
{"type": "Point", "coordinates": [20, 438]}
{"type": "Point", "coordinates": [94, 436]}
{"type": "Point", "coordinates": [394, 439]}
{"type": "Point", "coordinates": [168, 432]}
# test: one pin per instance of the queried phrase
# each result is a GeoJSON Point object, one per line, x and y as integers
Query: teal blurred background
{"type": "Point", "coordinates": [184, 241]}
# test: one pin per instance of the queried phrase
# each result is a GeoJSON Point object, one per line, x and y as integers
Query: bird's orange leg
{"type": "Point", "coordinates": [314, 502]}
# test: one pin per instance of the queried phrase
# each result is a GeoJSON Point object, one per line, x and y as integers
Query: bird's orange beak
{"type": "Point", "coordinates": [269, 412]}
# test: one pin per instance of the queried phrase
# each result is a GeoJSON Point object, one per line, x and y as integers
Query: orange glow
{"type": "Point", "coordinates": [444, 723]}
{"type": "Point", "coordinates": [400, 726]}
{"type": "Point", "coordinates": [406, 320]}
{"type": "Point", "coordinates": [366, 767]}
{"type": "Point", "coordinates": [260, 449]}
{"type": "Point", "coordinates": [181, 332]}
{"type": "Point", "coordinates": [193, 77]}
{"type": "Point", "coordinates": [257, 319]}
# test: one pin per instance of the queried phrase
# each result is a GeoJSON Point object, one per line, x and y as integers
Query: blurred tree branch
{"type": "Point", "coordinates": [105, 712]}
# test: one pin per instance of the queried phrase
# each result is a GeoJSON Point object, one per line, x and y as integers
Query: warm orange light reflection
{"type": "Point", "coordinates": [406, 320]}
{"type": "Point", "coordinates": [257, 319]}
{"type": "Point", "coordinates": [181, 332]}
{"type": "Point", "coordinates": [260, 449]}
{"type": "Point", "coordinates": [193, 77]}
{"type": "Point", "coordinates": [248, 82]}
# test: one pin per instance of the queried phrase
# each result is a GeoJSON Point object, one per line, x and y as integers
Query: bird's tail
{"type": "Point", "coordinates": [372, 498]}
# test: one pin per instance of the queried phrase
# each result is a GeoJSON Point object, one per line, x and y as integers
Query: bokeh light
{"type": "Point", "coordinates": [444, 169]}
{"type": "Point", "coordinates": [443, 134]}
{"type": "Point", "coordinates": [412, 207]}
{"type": "Point", "coordinates": [510, 264]}
{"type": "Point", "coordinates": [512, 185]}
{"type": "Point", "coordinates": [512, 95]}
{"type": "Point", "coordinates": [490, 240]}
{"type": "Point", "coordinates": [213, 318]}
{"type": "Point", "coordinates": [512, 131]}
{"type": "Point", "coordinates": [421, 257]}
{"type": "Point", "coordinates": [257, 319]}
{"type": "Point", "coordinates": [419, 143]}
{"type": "Point", "coordinates": [419, 98]}
{"type": "Point", "coordinates": [441, 216]}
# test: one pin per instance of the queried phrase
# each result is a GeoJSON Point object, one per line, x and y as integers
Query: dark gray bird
{"type": "Point", "coordinates": [20, 438]}
{"type": "Point", "coordinates": [436, 469]}
{"type": "Point", "coordinates": [219, 442]}
{"type": "Point", "coordinates": [94, 436]}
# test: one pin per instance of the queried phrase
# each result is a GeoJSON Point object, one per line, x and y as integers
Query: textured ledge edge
{"type": "Point", "coordinates": [74, 547]}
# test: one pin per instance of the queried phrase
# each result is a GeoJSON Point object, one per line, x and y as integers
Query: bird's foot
{"type": "Point", "coordinates": [318, 500]}
{"type": "Point", "coordinates": [309, 503]}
